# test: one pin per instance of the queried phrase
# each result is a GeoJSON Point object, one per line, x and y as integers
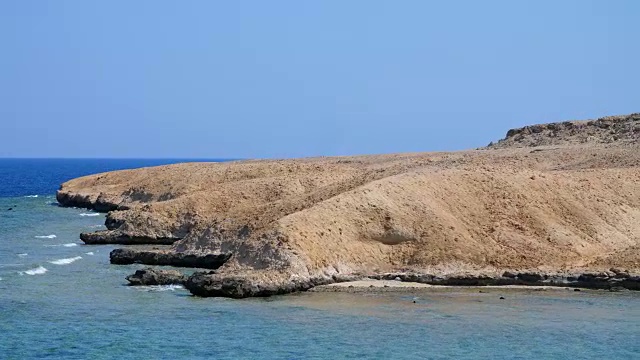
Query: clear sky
{"type": "Point", "coordinates": [246, 79]}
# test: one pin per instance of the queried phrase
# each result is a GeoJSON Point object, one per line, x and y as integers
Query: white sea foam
{"type": "Point", "coordinates": [159, 287]}
{"type": "Point", "coordinates": [97, 226]}
{"type": "Point", "coordinates": [37, 271]}
{"type": "Point", "coordinates": [46, 236]}
{"type": "Point", "coordinates": [66, 261]}
{"type": "Point", "coordinates": [90, 214]}
{"type": "Point", "coordinates": [23, 255]}
{"type": "Point", "coordinates": [89, 253]}
{"type": "Point", "coordinates": [32, 196]}
{"type": "Point", "coordinates": [65, 245]}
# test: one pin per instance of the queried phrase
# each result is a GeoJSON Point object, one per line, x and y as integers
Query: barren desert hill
{"type": "Point", "coordinates": [546, 198]}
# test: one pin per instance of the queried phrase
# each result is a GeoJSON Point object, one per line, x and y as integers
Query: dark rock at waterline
{"type": "Point", "coordinates": [530, 277]}
{"type": "Point", "coordinates": [130, 256]}
{"type": "Point", "coordinates": [100, 204]}
{"type": "Point", "coordinates": [151, 276]}
{"type": "Point", "coordinates": [584, 280]}
{"type": "Point", "coordinates": [213, 285]}
{"type": "Point", "coordinates": [620, 274]}
{"type": "Point", "coordinates": [117, 237]}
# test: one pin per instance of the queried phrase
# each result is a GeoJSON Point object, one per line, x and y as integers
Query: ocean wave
{"type": "Point", "coordinates": [90, 214]}
{"type": "Point", "coordinates": [46, 236]}
{"type": "Point", "coordinates": [10, 265]}
{"type": "Point", "coordinates": [97, 226]}
{"type": "Point", "coordinates": [65, 245]}
{"type": "Point", "coordinates": [37, 271]}
{"type": "Point", "coordinates": [159, 287]}
{"type": "Point", "coordinates": [31, 196]}
{"type": "Point", "coordinates": [90, 253]}
{"type": "Point", "coordinates": [66, 261]}
{"type": "Point", "coordinates": [22, 255]}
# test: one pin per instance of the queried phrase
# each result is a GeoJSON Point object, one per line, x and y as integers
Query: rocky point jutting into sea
{"type": "Point", "coordinates": [554, 204]}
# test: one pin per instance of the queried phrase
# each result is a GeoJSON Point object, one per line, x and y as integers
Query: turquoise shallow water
{"type": "Point", "coordinates": [80, 308]}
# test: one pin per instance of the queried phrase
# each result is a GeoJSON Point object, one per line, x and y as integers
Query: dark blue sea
{"type": "Point", "coordinates": [60, 299]}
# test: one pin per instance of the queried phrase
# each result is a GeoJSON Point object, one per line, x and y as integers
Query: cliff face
{"type": "Point", "coordinates": [284, 225]}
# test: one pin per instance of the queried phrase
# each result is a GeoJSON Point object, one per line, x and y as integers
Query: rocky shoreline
{"type": "Point", "coordinates": [200, 283]}
{"type": "Point", "coordinates": [612, 280]}
{"type": "Point", "coordinates": [549, 205]}
{"type": "Point", "coordinates": [115, 237]}
{"type": "Point", "coordinates": [213, 284]}
{"type": "Point", "coordinates": [130, 256]}
{"type": "Point", "coordinates": [85, 201]}
{"type": "Point", "coordinates": [151, 276]}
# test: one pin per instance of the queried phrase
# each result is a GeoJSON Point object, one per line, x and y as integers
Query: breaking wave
{"type": "Point", "coordinates": [66, 261]}
{"type": "Point", "coordinates": [89, 253]}
{"type": "Point", "coordinates": [90, 214]}
{"type": "Point", "coordinates": [31, 196]}
{"type": "Point", "coordinates": [159, 287]}
{"type": "Point", "coordinates": [22, 255]}
{"type": "Point", "coordinates": [46, 236]}
{"type": "Point", "coordinates": [65, 245]}
{"type": "Point", "coordinates": [37, 271]}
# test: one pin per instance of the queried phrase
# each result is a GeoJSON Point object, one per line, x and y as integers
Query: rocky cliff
{"type": "Point", "coordinates": [276, 226]}
{"type": "Point", "coordinates": [606, 130]}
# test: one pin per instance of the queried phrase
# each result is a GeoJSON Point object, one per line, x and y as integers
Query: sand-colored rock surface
{"type": "Point", "coordinates": [572, 203]}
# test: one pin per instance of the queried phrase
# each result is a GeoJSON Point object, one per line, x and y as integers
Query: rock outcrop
{"type": "Point", "coordinates": [606, 130]}
{"type": "Point", "coordinates": [116, 237]}
{"type": "Point", "coordinates": [130, 256]}
{"type": "Point", "coordinates": [608, 280]}
{"type": "Point", "coordinates": [151, 276]}
{"type": "Point", "coordinates": [276, 226]}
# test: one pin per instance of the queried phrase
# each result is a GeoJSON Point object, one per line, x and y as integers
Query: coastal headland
{"type": "Point", "coordinates": [556, 204]}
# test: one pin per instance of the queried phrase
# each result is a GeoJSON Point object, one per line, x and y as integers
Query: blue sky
{"type": "Point", "coordinates": [246, 79]}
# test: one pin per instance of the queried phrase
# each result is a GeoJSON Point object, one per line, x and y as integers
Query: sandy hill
{"type": "Point", "coordinates": [551, 197]}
